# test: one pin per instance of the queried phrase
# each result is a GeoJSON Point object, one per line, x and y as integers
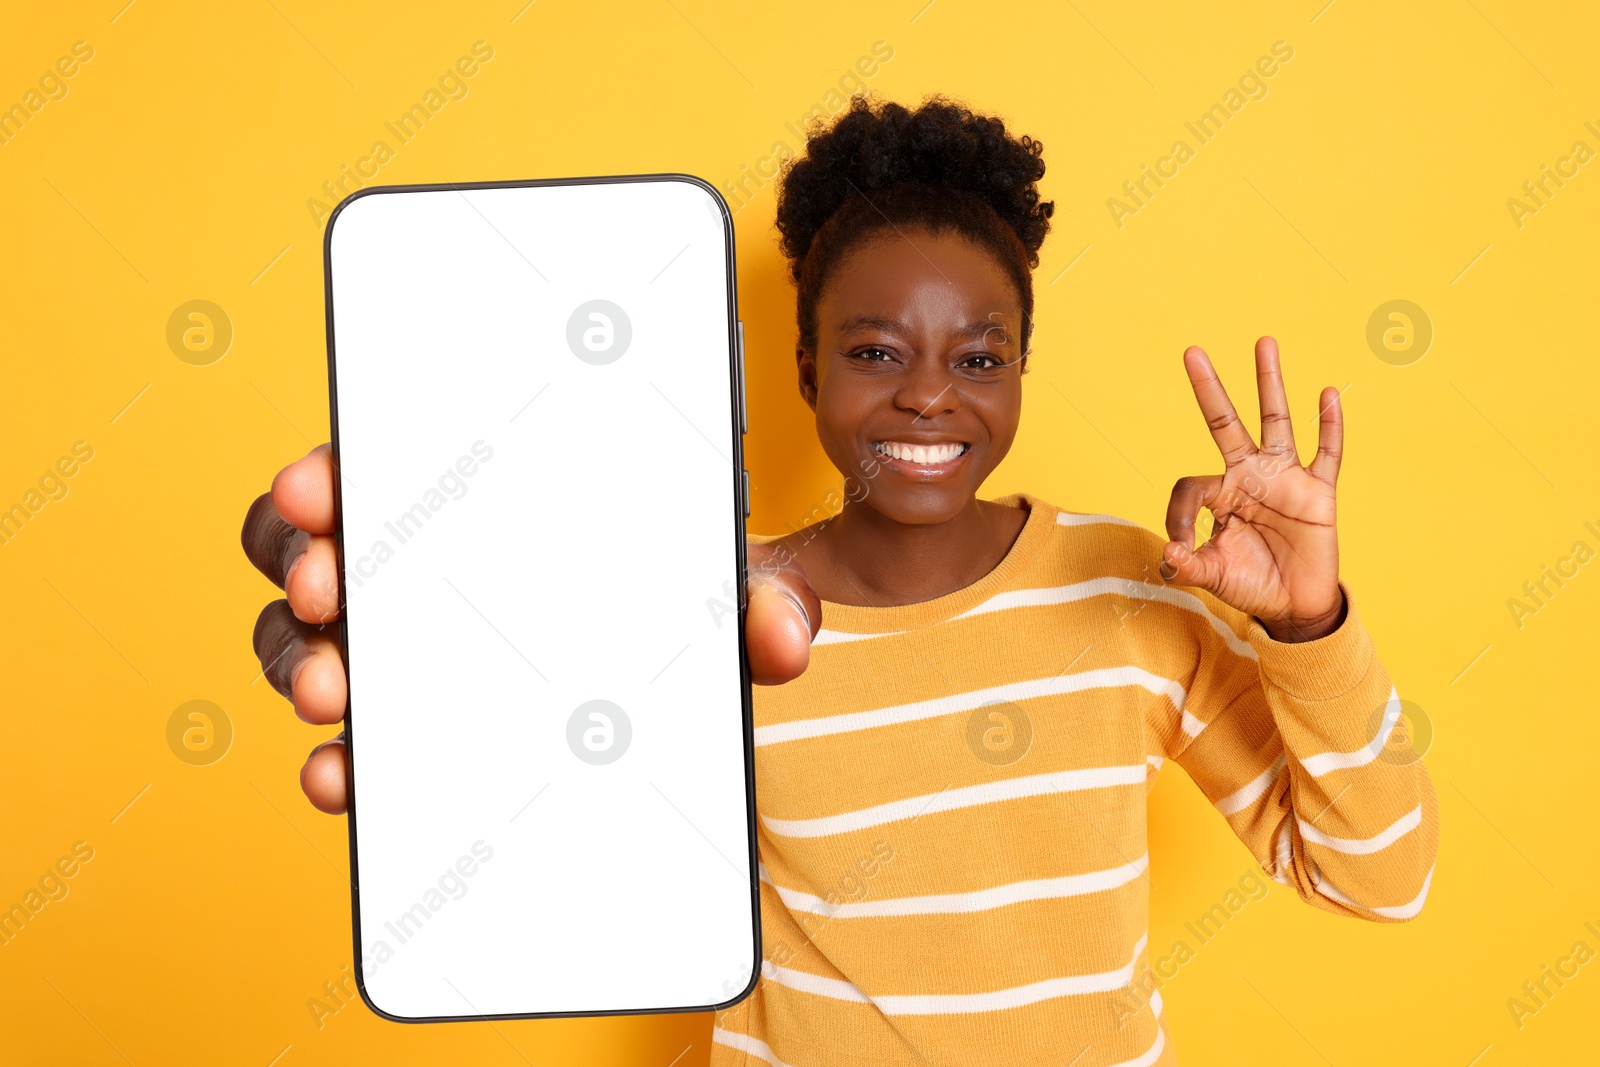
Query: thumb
{"type": "Point", "coordinates": [1182, 565]}
{"type": "Point", "coordinates": [777, 635]}
{"type": "Point", "coordinates": [782, 616]}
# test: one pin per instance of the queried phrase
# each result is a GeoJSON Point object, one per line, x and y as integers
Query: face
{"type": "Point", "coordinates": [916, 378]}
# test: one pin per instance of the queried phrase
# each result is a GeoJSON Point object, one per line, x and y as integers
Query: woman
{"type": "Point", "coordinates": [978, 694]}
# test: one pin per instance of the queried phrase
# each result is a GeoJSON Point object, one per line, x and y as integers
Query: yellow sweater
{"type": "Point", "coordinates": [952, 810]}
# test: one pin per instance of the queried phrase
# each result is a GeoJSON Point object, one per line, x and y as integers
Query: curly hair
{"type": "Point", "coordinates": [941, 167]}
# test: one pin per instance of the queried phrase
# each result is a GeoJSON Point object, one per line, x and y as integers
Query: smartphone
{"type": "Point", "coordinates": [537, 398]}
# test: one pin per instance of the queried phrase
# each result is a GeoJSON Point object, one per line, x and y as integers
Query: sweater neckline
{"type": "Point", "coordinates": [869, 619]}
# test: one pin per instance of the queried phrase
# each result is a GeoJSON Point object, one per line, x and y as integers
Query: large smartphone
{"type": "Point", "coordinates": [537, 399]}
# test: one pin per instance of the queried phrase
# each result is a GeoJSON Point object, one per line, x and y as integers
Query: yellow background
{"type": "Point", "coordinates": [1378, 167]}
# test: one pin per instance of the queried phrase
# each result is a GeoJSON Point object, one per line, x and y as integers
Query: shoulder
{"type": "Point", "coordinates": [1106, 554]}
{"type": "Point", "coordinates": [1096, 536]}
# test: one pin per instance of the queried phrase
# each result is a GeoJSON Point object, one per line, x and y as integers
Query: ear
{"type": "Point", "coordinates": [806, 365]}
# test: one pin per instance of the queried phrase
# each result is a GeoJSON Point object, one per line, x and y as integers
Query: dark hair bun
{"type": "Point", "coordinates": [941, 143]}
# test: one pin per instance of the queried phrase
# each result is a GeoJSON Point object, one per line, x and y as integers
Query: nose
{"type": "Point", "coordinates": [927, 390]}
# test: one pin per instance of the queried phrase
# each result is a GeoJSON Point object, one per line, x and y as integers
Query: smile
{"type": "Point", "coordinates": [922, 455]}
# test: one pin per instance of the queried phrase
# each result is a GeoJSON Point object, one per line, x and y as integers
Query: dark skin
{"type": "Point", "coordinates": [917, 342]}
{"type": "Point", "coordinates": [917, 345]}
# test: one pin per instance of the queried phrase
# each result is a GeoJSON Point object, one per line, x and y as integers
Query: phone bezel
{"type": "Point", "coordinates": [737, 477]}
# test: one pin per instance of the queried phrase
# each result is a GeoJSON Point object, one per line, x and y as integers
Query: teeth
{"type": "Point", "coordinates": [927, 454]}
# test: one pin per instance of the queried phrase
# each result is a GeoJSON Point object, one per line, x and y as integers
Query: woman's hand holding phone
{"type": "Point", "coordinates": [288, 535]}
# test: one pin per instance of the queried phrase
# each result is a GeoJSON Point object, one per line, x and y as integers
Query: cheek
{"type": "Point", "coordinates": [999, 409]}
{"type": "Point", "coordinates": [843, 403]}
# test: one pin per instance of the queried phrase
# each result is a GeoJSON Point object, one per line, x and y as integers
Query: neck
{"type": "Point", "coordinates": [875, 561]}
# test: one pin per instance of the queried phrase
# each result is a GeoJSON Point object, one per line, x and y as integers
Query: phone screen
{"type": "Point", "coordinates": [537, 395]}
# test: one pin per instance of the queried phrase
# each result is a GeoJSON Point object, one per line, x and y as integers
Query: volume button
{"type": "Point", "coordinates": [744, 422]}
{"type": "Point", "coordinates": [746, 493]}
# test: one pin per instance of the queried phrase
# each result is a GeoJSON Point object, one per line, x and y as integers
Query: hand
{"type": "Point", "coordinates": [1274, 552]}
{"type": "Point", "coordinates": [288, 535]}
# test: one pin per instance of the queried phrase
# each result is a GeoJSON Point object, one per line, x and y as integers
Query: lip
{"type": "Point", "coordinates": [922, 472]}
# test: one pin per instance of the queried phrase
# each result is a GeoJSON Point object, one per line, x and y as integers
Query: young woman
{"type": "Point", "coordinates": [952, 781]}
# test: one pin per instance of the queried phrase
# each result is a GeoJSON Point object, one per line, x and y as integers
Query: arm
{"type": "Point", "coordinates": [1286, 730]}
{"type": "Point", "coordinates": [1294, 753]}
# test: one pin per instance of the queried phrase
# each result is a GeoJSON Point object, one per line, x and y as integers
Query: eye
{"type": "Point", "coordinates": [982, 361]}
{"type": "Point", "coordinates": [872, 354]}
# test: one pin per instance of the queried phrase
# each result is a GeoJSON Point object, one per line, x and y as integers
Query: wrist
{"type": "Point", "coordinates": [1294, 631]}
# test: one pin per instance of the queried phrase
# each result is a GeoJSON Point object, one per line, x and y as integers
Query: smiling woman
{"type": "Point", "coordinates": [1012, 926]}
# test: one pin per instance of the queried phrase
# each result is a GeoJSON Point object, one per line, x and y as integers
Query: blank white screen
{"type": "Point", "coordinates": [525, 531]}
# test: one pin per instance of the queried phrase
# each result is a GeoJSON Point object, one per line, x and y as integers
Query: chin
{"type": "Point", "coordinates": [918, 505]}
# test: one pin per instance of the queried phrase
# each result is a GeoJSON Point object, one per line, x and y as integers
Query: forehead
{"type": "Point", "coordinates": [919, 278]}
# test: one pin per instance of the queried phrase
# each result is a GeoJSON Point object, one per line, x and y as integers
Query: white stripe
{"type": "Point", "coordinates": [1362, 846]}
{"type": "Point", "coordinates": [1408, 910]}
{"type": "Point", "coordinates": [956, 1003]}
{"type": "Point", "coordinates": [839, 637]}
{"type": "Point", "coordinates": [820, 985]}
{"type": "Point", "coordinates": [1192, 723]}
{"type": "Point", "coordinates": [1155, 761]}
{"type": "Point", "coordinates": [952, 799]}
{"type": "Point", "coordinates": [1073, 518]}
{"type": "Point", "coordinates": [1066, 594]}
{"type": "Point", "coordinates": [1100, 678]}
{"type": "Point", "coordinates": [1284, 853]}
{"type": "Point", "coordinates": [1152, 1055]}
{"type": "Point", "coordinates": [1071, 885]}
{"type": "Point", "coordinates": [747, 1044]}
{"type": "Point", "coordinates": [1240, 799]}
{"type": "Point", "coordinates": [1328, 762]}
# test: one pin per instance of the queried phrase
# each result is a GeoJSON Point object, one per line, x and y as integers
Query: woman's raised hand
{"type": "Point", "coordinates": [1274, 552]}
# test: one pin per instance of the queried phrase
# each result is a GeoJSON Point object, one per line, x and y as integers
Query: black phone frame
{"type": "Point", "coordinates": [739, 484]}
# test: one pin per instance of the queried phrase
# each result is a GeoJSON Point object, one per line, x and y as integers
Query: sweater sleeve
{"type": "Point", "coordinates": [1295, 745]}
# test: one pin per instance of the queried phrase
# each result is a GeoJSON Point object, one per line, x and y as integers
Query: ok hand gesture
{"type": "Point", "coordinates": [1274, 552]}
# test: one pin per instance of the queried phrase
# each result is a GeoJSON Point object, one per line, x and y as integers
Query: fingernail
{"type": "Point", "coordinates": [801, 608]}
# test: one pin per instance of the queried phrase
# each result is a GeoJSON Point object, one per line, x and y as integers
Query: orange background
{"type": "Point", "coordinates": [1378, 166]}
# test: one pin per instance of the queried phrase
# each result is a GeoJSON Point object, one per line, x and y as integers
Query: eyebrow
{"type": "Point", "coordinates": [971, 331]}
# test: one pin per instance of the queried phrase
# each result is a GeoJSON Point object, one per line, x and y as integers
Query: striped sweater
{"type": "Point", "coordinates": [952, 818]}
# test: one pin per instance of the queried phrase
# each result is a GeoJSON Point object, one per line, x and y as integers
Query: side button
{"type": "Point", "coordinates": [746, 493]}
{"type": "Point", "coordinates": [744, 422]}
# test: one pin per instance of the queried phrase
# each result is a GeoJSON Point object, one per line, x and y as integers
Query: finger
{"type": "Point", "coordinates": [323, 777]}
{"type": "Point", "coordinates": [272, 544]}
{"type": "Point", "coordinates": [1330, 436]}
{"type": "Point", "coordinates": [1277, 431]}
{"type": "Point", "coordinates": [303, 491]}
{"type": "Point", "coordinates": [783, 614]}
{"type": "Point", "coordinates": [1226, 429]}
{"type": "Point", "coordinates": [312, 584]}
{"type": "Point", "coordinates": [1181, 565]}
{"type": "Point", "coordinates": [1189, 495]}
{"type": "Point", "coordinates": [302, 662]}
{"type": "Point", "coordinates": [777, 638]}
